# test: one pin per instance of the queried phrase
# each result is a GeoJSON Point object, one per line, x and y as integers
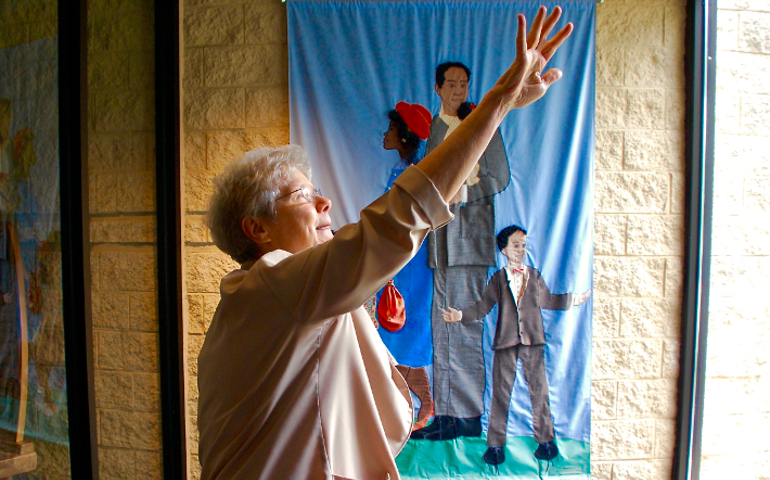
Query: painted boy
{"type": "Point", "coordinates": [520, 293]}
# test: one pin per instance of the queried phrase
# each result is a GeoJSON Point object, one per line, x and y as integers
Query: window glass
{"type": "Point", "coordinates": [33, 390]}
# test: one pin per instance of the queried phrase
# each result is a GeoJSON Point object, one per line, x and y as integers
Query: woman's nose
{"type": "Point", "coordinates": [323, 204]}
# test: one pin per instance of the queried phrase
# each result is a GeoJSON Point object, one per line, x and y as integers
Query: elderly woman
{"type": "Point", "coordinates": [294, 380]}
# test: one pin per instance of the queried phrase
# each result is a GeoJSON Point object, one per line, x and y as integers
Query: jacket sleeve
{"type": "Point", "coordinates": [551, 301]}
{"type": "Point", "coordinates": [337, 276]}
{"type": "Point", "coordinates": [489, 298]}
{"type": "Point", "coordinates": [495, 172]}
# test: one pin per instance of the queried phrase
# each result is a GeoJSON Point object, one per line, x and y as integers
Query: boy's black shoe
{"type": "Point", "coordinates": [546, 451]}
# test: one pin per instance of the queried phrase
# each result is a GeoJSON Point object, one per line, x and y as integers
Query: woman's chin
{"type": "Point", "coordinates": [324, 235]}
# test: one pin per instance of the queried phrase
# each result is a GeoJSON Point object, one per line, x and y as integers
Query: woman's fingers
{"type": "Point", "coordinates": [551, 76]}
{"type": "Point", "coordinates": [549, 49]}
{"type": "Point", "coordinates": [550, 22]}
{"type": "Point", "coordinates": [521, 37]}
{"type": "Point", "coordinates": [533, 39]}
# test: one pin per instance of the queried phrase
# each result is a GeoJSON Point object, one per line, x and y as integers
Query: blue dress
{"type": "Point", "coordinates": [412, 345]}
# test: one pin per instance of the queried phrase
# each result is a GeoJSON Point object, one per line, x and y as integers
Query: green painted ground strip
{"type": "Point", "coordinates": [461, 458]}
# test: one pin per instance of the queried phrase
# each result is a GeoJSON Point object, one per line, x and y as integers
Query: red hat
{"type": "Point", "coordinates": [416, 117]}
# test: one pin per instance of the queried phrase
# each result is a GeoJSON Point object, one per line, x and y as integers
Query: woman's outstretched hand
{"type": "Point", "coordinates": [524, 82]}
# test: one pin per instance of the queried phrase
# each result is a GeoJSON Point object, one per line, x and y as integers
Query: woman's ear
{"type": "Point", "coordinates": [254, 228]}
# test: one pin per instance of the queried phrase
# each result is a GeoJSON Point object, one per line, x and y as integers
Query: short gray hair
{"type": "Point", "coordinates": [249, 186]}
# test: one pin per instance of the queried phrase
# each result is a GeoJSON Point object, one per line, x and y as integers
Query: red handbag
{"type": "Point", "coordinates": [391, 312]}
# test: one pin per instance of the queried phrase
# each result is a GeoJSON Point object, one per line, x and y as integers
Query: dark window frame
{"type": "Point", "coordinates": [700, 78]}
{"type": "Point", "coordinates": [76, 281]}
{"type": "Point", "coordinates": [169, 228]}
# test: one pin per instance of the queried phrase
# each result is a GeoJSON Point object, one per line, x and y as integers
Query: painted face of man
{"type": "Point", "coordinates": [454, 91]}
{"type": "Point", "coordinates": [516, 248]}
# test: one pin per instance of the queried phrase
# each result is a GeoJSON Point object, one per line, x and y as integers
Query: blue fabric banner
{"type": "Point", "coordinates": [349, 64]}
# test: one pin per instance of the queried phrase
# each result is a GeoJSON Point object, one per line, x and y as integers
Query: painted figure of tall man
{"type": "Point", "coordinates": [460, 255]}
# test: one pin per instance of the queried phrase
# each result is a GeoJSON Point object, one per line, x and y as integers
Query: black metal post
{"type": "Point", "coordinates": [76, 282]}
{"type": "Point", "coordinates": [167, 158]}
{"type": "Point", "coordinates": [700, 65]}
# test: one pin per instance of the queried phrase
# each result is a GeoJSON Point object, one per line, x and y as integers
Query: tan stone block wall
{"type": "Point", "coordinates": [25, 21]}
{"type": "Point", "coordinates": [121, 168]}
{"type": "Point", "coordinates": [638, 237]}
{"type": "Point", "coordinates": [737, 405]}
{"type": "Point", "coordinates": [235, 98]}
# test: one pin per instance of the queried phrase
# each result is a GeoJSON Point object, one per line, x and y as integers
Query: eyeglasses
{"type": "Point", "coordinates": [307, 193]}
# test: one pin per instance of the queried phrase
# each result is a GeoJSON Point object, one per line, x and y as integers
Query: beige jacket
{"type": "Point", "coordinates": [294, 380]}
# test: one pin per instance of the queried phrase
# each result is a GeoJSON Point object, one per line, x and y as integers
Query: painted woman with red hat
{"type": "Point", "coordinates": [408, 129]}
{"type": "Point", "coordinates": [411, 344]}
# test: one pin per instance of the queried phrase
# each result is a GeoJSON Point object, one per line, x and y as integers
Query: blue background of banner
{"type": "Point", "coordinates": [350, 62]}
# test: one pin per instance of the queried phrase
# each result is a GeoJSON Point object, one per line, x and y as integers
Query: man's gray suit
{"type": "Point", "coordinates": [519, 334]}
{"type": "Point", "coordinates": [461, 254]}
